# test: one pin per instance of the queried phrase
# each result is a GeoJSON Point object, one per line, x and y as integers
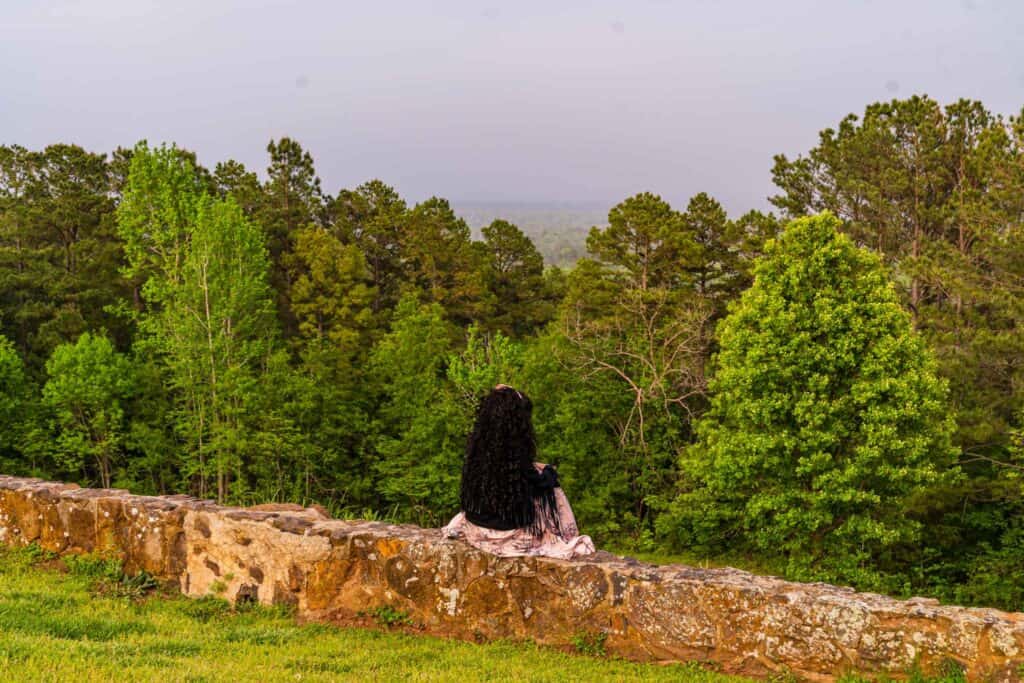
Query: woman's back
{"type": "Point", "coordinates": [512, 505]}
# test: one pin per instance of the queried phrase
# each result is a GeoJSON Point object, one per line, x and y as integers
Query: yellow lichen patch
{"type": "Point", "coordinates": [389, 547]}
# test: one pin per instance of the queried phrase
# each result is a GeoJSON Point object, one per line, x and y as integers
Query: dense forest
{"type": "Point", "coordinates": [558, 229]}
{"type": "Point", "coordinates": [833, 392]}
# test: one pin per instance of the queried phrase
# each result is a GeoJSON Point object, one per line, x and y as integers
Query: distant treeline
{"type": "Point", "coordinates": [559, 229]}
{"type": "Point", "coordinates": [835, 397]}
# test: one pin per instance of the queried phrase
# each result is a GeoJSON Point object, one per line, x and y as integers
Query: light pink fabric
{"type": "Point", "coordinates": [520, 542]}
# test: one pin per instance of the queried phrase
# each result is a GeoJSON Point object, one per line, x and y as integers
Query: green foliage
{"type": "Point", "coordinates": [59, 254]}
{"type": "Point", "coordinates": [291, 201]}
{"type": "Point", "coordinates": [107, 578]}
{"type": "Point", "coordinates": [388, 616]}
{"type": "Point", "coordinates": [372, 217]}
{"type": "Point", "coordinates": [30, 554]}
{"type": "Point", "coordinates": [273, 343]}
{"type": "Point", "coordinates": [155, 217]}
{"type": "Point", "coordinates": [590, 643]}
{"type": "Point", "coordinates": [14, 408]}
{"type": "Point", "coordinates": [826, 417]}
{"type": "Point", "coordinates": [87, 391]}
{"type": "Point", "coordinates": [418, 444]}
{"type": "Point", "coordinates": [521, 299]}
{"type": "Point", "coordinates": [93, 567]}
{"type": "Point", "coordinates": [440, 260]}
{"type": "Point", "coordinates": [331, 293]}
{"type": "Point", "coordinates": [937, 191]}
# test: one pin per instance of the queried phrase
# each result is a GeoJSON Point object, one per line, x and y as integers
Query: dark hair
{"type": "Point", "coordinates": [499, 460]}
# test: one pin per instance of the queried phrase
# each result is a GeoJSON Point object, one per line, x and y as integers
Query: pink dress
{"type": "Point", "coordinates": [520, 542]}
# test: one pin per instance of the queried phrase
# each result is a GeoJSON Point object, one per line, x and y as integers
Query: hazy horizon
{"type": "Point", "coordinates": [578, 103]}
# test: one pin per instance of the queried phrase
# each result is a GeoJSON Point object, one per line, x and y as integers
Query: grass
{"type": "Point", "coordinates": [83, 620]}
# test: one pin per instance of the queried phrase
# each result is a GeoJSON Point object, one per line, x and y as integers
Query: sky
{"type": "Point", "coordinates": [514, 101]}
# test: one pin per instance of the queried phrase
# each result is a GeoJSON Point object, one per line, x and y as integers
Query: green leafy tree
{"type": "Point", "coordinates": [933, 191]}
{"type": "Point", "coordinates": [88, 389]}
{"type": "Point", "coordinates": [221, 323]}
{"type": "Point", "coordinates": [937, 191]}
{"type": "Point", "coordinates": [14, 406]}
{"type": "Point", "coordinates": [826, 418]}
{"type": "Point", "coordinates": [155, 218]}
{"type": "Point", "coordinates": [418, 452]}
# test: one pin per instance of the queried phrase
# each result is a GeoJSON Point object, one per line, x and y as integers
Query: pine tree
{"type": "Point", "coordinates": [373, 217]}
{"type": "Point", "coordinates": [440, 261]}
{"type": "Point", "coordinates": [292, 200]}
{"type": "Point", "coordinates": [514, 276]}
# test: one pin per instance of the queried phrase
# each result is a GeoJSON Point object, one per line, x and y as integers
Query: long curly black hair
{"type": "Point", "coordinates": [501, 488]}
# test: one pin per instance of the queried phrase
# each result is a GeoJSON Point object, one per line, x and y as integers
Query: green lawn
{"type": "Point", "coordinates": [78, 625]}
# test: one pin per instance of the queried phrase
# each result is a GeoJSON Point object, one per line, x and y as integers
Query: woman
{"type": "Point", "coordinates": [511, 505]}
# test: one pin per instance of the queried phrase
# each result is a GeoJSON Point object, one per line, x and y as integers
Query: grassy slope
{"type": "Point", "coordinates": [54, 628]}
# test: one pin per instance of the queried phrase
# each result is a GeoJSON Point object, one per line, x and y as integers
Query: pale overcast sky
{"type": "Point", "coordinates": [531, 101]}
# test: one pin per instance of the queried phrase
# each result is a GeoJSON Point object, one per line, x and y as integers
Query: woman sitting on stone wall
{"type": "Point", "coordinates": [511, 505]}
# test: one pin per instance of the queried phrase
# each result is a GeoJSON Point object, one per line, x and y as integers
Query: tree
{"type": "Point", "coordinates": [218, 327]}
{"type": "Point", "coordinates": [59, 253]}
{"type": "Point", "coordinates": [372, 217]}
{"type": "Point", "coordinates": [440, 261]}
{"type": "Point", "coordinates": [937, 191]}
{"type": "Point", "coordinates": [231, 178]}
{"type": "Point", "coordinates": [292, 200]}
{"type": "Point", "coordinates": [155, 218]}
{"type": "Point", "coordinates": [634, 320]}
{"type": "Point", "coordinates": [520, 299]}
{"type": "Point", "coordinates": [826, 416]}
{"type": "Point", "coordinates": [932, 190]}
{"type": "Point", "coordinates": [331, 292]}
{"type": "Point", "coordinates": [14, 406]}
{"type": "Point", "coordinates": [87, 391]}
{"type": "Point", "coordinates": [418, 449]}
{"type": "Point", "coordinates": [707, 254]}
{"type": "Point", "coordinates": [642, 238]}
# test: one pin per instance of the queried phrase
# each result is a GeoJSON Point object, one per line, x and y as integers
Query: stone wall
{"type": "Point", "coordinates": [331, 569]}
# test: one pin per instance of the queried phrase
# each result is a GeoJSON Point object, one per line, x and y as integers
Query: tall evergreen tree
{"type": "Point", "coordinates": [231, 178]}
{"type": "Point", "coordinates": [59, 255]}
{"type": "Point", "coordinates": [292, 200]}
{"type": "Point", "coordinates": [373, 217]}
{"type": "Point", "coordinates": [514, 276]}
{"type": "Point", "coordinates": [438, 256]}
{"type": "Point", "coordinates": [642, 238]}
